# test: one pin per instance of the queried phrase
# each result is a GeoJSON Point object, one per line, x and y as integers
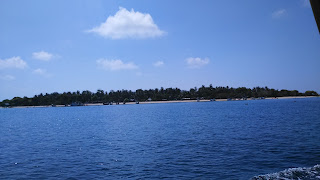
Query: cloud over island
{"type": "Point", "coordinates": [128, 24]}
{"type": "Point", "coordinates": [196, 62]}
{"type": "Point", "coordinates": [115, 65]}
{"type": "Point", "coordinates": [158, 64]}
{"type": "Point", "coordinates": [41, 72]}
{"type": "Point", "coordinates": [42, 55]}
{"type": "Point", "coordinates": [13, 62]}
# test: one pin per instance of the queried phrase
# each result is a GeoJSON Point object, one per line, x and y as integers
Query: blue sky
{"type": "Point", "coordinates": [59, 46]}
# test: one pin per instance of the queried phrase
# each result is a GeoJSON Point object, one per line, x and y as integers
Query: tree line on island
{"type": "Point", "coordinates": [161, 94]}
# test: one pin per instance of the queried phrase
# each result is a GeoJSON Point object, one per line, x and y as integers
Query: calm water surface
{"type": "Point", "coordinates": [206, 140]}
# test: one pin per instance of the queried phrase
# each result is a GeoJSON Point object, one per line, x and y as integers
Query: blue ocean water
{"type": "Point", "coordinates": [201, 140]}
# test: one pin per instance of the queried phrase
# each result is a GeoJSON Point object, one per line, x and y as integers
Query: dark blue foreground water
{"type": "Point", "coordinates": [205, 140]}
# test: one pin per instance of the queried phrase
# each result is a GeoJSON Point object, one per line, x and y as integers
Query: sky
{"type": "Point", "coordinates": [60, 46]}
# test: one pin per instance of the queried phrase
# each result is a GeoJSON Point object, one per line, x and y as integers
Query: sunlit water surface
{"type": "Point", "coordinates": [204, 140]}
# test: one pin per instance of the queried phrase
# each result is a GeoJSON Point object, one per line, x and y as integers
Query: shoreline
{"type": "Point", "coordinates": [172, 101]}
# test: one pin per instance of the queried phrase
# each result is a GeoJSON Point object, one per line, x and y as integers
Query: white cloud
{"type": "Point", "coordinates": [7, 77]}
{"type": "Point", "coordinates": [114, 65]}
{"type": "Point", "coordinates": [39, 71]}
{"type": "Point", "coordinates": [42, 55]}
{"type": "Point", "coordinates": [197, 62]}
{"type": "Point", "coordinates": [14, 62]}
{"type": "Point", "coordinates": [128, 24]}
{"type": "Point", "coordinates": [279, 13]}
{"type": "Point", "coordinates": [158, 64]}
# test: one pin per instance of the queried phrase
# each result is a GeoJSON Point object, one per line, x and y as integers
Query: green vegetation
{"type": "Point", "coordinates": [161, 94]}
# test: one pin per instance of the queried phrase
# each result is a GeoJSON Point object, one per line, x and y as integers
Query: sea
{"type": "Point", "coordinates": [254, 139]}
